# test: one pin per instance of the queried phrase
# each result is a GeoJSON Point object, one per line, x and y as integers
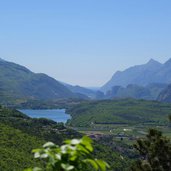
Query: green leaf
{"type": "Point", "coordinates": [77, 152]}
{"type": "Point", "coordinates": [37, 169]}
{"type": "Point", "coordinates": [102, 165]}
{"type": "Point", "coordinates": [29, 169]}
{"type": "Point", "coordinates": [48, 144]}
{"type": "Point", "coordinates": [86, 141]}
{"type": "Point", "coordinates": [67, 167]}
{"type": "Point", "coordinates": [92, 162]}
{"type": "Point", "coordinates": [44, 156]}
{"type": "Point", "coordinates": [58, 156]}
{"type": "Point", "coordinates": [37, 155]}
{"type": "Point", "coordinates": [75, 141]}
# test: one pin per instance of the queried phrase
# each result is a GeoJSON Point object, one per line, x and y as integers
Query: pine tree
{"type": "Point", "coordinates": [155, 152]}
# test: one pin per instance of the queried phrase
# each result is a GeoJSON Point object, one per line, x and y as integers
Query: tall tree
{"type": "Point", "coordinates": [155, 152]}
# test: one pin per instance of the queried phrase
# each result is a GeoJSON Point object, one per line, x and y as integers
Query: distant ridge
{"type": "Point", "coordinates": [2, 60]}
{"type": "Point", "coordinates": [18, 82]}
{"type": "Point", "coordinates": [149, 92]}
{"type": "Point", "coordinates": [142, 75]}
{"type": "Point", "coordinates": [165, 95]}
{"type": "Point", "coordinates": [91, 93]}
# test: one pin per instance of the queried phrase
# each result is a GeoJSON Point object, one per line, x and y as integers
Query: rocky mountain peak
{"type": "Point", "coordinates": [153, 62]}
{"type": "Point", "coordinates": [168, 62]}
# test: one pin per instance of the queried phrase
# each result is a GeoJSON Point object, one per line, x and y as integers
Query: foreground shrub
{"type": "Point", "coordinates": [74, 155]}
{"type": "Point", "coordinates": [155, 152]}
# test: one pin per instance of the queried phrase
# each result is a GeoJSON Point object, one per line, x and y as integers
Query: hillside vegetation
{"type": "Point", "coordinates": [126, 111]}
{"type": "Point", "coordinates": [19, 84]}
{"type": "Point", "coordinates": [15, 148]}
{"type": "Point", "coordinates": [20, 134]}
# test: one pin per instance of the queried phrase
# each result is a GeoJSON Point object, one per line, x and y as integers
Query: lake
{"type": "Point", "coordinates": [57, 115]}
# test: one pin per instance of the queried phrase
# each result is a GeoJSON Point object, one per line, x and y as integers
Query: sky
{"type": "Point", "coordinates": [83, 42]}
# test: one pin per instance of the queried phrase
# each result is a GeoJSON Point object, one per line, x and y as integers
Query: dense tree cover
{"type": "Point", "coordinates": [15, 148]}
{"type": "Point", "coordinates": [20, 134]}
{"type": "Point", "coordinates": [41, 128]}
{"type": "Point", "coordinates": [18, 84]}
{"type": "Point", "coordinates": [47, 104]}
{"type": "Point", "coordinates": [74, 155]}
{"type": "Point", "coordinates": [29, 133]}
{"type": "Point", "coordinates": [154, 150]}
{"type": "Point", "coordinates": [170, 118]}
{"type": "Point", "coordinates": [155, 153]}
{"type": "Point", "coordinates": [128, 111]}
{"type": "Point", "coordinates": [117, 160]}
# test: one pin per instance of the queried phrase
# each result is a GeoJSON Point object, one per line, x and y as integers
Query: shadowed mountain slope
{"type": "Point", "coordinates": [18, 82]}
{"type": "Point", "coordinates": [142, 75]}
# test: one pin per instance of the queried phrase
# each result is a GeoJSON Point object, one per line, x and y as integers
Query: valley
{"type": "Point", "coordinates": [20, 133]}
{"type": "Point", "coordinates": [85, 85]}
{"type": "Point", "coordinates": [20, 87]}
{"type": "Point", "coordinates": [115, 119]}
{"type": "Point", "coordinates": [125, 120]}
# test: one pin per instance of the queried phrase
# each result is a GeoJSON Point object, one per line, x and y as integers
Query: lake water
{"type": "Point", "coordinates": [57, 115]}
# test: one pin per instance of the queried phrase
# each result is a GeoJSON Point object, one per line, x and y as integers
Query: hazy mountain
{"type": "Point", "coordinates": [91, 93]}
{"type": "Point", "coordinates": [165, 95]}
{"type": "Point", "coordinates": [149, 92]}
{"type": "Point", "coordinates": [17, 81]}
{"type": "Point", "coordinates": [142, 75]}
{"type": "Point", "coordinates": [131, 91]}
{"type": "Point", "coordinates": [82, 90]}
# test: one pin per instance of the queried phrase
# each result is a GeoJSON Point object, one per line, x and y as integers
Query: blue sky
{"type": "Point", "coordinates": [84, 41]}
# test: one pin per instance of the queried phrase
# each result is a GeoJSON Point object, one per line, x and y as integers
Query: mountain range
{"type": "Point", "coordinates": [82, 90]}
{"type": "Point", "coordinates": [149, 92]}
{"type": "Point", "coordinates": [141, 75]}
{"type": "Point", "coordinates": [165, 94]}
{"type": "Point", "coordinates": [149, 81]}
{"type": "Point", "coordinates": [18, 82]}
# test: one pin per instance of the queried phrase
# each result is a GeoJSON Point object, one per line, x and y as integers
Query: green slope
{"type": "Point", "coordinates": [15, 149]}
{"type": "Point", "coordinates": [20, 134]}
{"type": "Point", "coordinates": [127, 111]}
{"type": "Point", "coordinates": [17, 82]}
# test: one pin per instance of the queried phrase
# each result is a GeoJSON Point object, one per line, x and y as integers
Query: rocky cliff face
{"type": "Point", "coordinates": [142, 75]}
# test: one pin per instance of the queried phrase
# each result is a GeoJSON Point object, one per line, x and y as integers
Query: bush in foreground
{"type": "Point", "coordinates": [155, 152]}
{"type": "Point", "coordinates": [74, 155]}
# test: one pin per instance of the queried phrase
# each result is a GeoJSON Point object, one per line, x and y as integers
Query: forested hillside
{"type": "Point", "coordinates": [20, 134]}
{"type": "Point", "coordinates": [124, 111]}
{"type": "Point", "coordinates": [19, 84]}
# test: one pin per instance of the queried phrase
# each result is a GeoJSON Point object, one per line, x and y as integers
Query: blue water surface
{"type": "Point", "coordinates": [57, 115]}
